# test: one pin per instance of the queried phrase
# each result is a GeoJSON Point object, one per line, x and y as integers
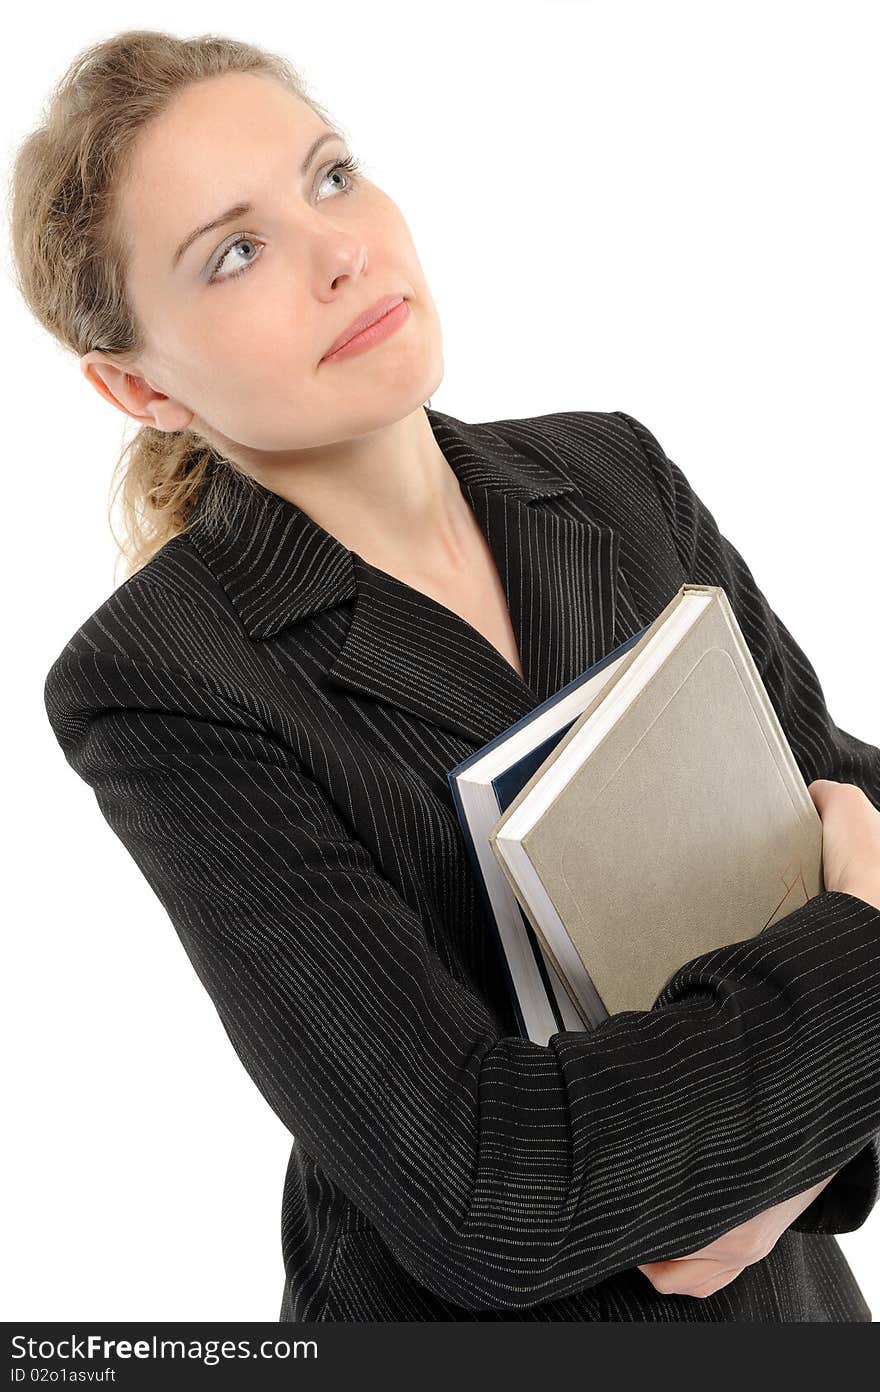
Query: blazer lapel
{"type": "Point", "coordinates": [558, 572]}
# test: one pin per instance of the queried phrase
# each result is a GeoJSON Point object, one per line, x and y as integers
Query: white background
{"type": "Point", "coordinates": [668, 209]}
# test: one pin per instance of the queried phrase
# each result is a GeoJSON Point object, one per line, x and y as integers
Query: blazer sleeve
{"type": "Point", "coordinates": [501, 1173]}
{"type": "Point", "coordinates": [821, 748]}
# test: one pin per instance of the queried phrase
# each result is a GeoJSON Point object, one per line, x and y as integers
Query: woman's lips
{"type": "Point", "coordinates": [374, 333]}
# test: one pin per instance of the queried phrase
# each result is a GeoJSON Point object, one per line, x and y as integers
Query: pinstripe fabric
{"type": "Point", "coordinates": [267, 720]}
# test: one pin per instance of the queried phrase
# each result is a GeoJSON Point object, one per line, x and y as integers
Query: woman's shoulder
{"type": "Point", "coordinates": [157, 625]}
{"type": "Point", "coordinates": [174, 582]}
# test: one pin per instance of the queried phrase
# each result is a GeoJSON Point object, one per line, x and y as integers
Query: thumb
{"type": "Point", "coordinates": [818, 790]}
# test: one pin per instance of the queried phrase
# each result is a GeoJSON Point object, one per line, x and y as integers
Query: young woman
{"type": "Point", "coordinates": [334, 595]}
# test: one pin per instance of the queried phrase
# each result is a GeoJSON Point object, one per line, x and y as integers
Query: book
{"type": "Point", "coordinates": [484, 785]}
{"type": "Point", "coordinates": [670, 817]}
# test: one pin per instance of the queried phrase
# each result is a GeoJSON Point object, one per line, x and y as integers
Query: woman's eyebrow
{"type": "Point", "coordinates": [238, 210]}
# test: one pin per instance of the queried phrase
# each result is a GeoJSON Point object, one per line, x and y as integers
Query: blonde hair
{"type": "Point", "coordinates": [70, 259]}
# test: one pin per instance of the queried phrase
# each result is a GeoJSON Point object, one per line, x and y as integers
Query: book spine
{"type": "Point", "coordinates": [500, 953]}
{"type": "Point", "coordinates": [591, 1012]}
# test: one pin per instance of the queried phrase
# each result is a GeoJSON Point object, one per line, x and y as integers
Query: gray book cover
{"type": "Point", "coordinates": [670, 820]}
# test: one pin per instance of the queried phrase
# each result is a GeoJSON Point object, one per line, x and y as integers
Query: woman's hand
{"type": "Point", "coordinates": [850, 839]}
{"type": "Point", "coordinates": [704, 1272]}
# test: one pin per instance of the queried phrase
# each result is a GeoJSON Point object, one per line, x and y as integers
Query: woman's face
{"type": "Point", "coordinates": [237, 326]}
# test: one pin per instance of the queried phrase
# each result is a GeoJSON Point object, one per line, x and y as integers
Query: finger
{"type": "Point", "coordinates": [678, 1262]}
{"type": "Point", "coordinates": [682, 1275]}
{"type": "Point", "coordinates": [724, 1278]}
{"type": "Point", "coordinates": [820, 788]}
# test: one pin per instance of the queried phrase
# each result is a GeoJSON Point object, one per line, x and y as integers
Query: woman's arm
{"type": "Point", "coordinates": [501, 1173]}
{"type": "Point", "coordinates": [820, 747]}
{"type": "Point", "coordinates": [851, 862]}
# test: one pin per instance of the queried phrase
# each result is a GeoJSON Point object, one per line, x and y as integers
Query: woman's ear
{"type": "Point", "coordinates": [129, 391]}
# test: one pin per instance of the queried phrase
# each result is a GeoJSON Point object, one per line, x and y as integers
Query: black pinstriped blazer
{"type": "Point", "coordinates": [267, 721]}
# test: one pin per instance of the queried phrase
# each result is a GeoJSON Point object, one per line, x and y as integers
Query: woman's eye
{"type": "Point", "coordinates": [350, 167]}
{"type": "Point", "coordinates": [240, 241]}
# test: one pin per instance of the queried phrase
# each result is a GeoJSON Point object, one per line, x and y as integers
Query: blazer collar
{"type": "Point", "coordinates": [559, 573]}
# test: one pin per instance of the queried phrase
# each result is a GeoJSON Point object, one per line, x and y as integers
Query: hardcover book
{"type": "Point", "coordinates": [666, 819]}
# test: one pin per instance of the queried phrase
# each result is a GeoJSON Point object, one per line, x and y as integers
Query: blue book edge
{"type": "Point", "coordinates": [506, 785]}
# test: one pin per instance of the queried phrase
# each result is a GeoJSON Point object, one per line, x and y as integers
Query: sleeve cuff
{"type": "Point", "coordinates": [844, 1204]}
